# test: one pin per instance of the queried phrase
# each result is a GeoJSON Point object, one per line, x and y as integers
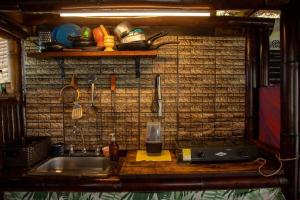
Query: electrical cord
{"type": "Point", "coordinates": [263, 162]}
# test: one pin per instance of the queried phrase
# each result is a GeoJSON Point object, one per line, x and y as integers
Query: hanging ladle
{"type": "Point", "coordinates": [92, 109]}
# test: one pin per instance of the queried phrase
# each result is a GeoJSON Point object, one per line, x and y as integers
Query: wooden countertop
{"type": "Point", "coordinates": [174, 169]}
{"type": "Point", "coordinates": [161, 176]}
{"type": "Point", "coordinates": [148, 176]}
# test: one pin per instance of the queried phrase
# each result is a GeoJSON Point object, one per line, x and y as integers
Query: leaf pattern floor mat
{"type": "Point", "coordinates": [237, 194]}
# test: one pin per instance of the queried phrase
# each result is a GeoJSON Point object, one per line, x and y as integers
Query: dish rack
{"type": "Point", "coordinates": [27, 152]}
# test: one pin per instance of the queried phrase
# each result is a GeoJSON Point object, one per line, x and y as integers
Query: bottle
{"type": "Point", "coordinates": [113, 149]}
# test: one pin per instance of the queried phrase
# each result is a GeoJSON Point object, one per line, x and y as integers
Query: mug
{"type": "Point", "coordinates": [57, 149]}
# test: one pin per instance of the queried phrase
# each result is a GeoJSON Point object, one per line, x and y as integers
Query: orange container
{"type": "Point", "coordinates": [98, 36]}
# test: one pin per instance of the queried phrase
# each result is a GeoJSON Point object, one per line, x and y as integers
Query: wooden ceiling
{"type": "Point", "coordinates": [54, 5]}
{"type": "Point", "coordinates": [26, 15]}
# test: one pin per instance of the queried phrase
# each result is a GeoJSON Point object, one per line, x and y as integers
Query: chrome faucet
{"type": "Point", "coordinates": [83, 143]}
{"type": "Point", "coordinates": [71, 151]}
{"type": "Point", "coordinates": [97, 151]}
{"type": "Point", "coordinates": [82, 137]}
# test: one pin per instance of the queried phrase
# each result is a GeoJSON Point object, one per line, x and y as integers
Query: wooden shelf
{"type": "Point", "coordinates": [62, 54]}
{"type": "Point", "coordinates": [66, 54]}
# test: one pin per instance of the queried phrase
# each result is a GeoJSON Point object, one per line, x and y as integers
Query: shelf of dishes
{"type": "Point", "coordinates": [61, 54]}
{"type": "Point", "coordinates": [68, 37]}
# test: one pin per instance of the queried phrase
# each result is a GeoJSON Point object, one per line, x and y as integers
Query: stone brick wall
{"type": "Point", "coordinates": [203, 89]}
{"type": "Point", "coordinates": [3, 61]}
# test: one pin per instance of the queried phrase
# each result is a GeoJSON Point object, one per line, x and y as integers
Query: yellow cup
{"type": "Point", "coordinates": [109, 43]}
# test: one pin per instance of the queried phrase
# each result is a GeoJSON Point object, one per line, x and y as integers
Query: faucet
{"type": "Point", "coordinates": [82, 138]}
{"type": "Point", "coordinates": [97, 151]}
{"type": "Point", "coordinates": [83, 143]}
{"type": "Point", "coordinates": [71, 151]}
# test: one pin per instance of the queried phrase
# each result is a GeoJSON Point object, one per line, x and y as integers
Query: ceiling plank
{"type": "Point", "coordinates": [55, 5]}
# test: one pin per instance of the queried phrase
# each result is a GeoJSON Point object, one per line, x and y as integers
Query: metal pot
{"type": "Point", "coordinates": [134, 35]}
{"type": "Point", "coordinates": [122, 29]}
{"type": "Point", "coordinates": [145, 44]}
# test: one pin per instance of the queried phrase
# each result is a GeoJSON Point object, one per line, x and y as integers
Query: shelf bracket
{"type": "Point", "coordinates": [61, 65]}
{"type": "Point", "coordinates": [137, 61]}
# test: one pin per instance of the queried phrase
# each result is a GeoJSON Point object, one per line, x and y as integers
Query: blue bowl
{"type": "Point", "coordinates": [53, 33]}
{"type": "Point", "coordinates": [63, 31]}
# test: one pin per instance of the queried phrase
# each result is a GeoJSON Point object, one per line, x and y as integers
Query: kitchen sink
{"type": "Point", "coordinates": [73, 166]}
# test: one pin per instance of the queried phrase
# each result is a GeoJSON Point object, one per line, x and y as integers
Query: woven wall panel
{"type": "Point", "coordinates": [203, 89]}
{"type": "Point", "coordinates": [3, 61]}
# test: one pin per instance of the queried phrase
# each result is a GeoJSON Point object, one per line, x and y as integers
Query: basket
{"type": "Point", "coordinates": [27, 153]}
{"type": "Point", "coordinates": [44, 37]}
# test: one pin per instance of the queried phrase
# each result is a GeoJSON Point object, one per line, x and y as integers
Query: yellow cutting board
{"type": "Point", "coordinates": [143, 156]}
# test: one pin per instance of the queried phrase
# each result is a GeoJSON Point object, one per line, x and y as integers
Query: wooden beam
{"type": "Point", "coordinates": [11, 28]}
{"type": "Point", "coordinates": [5, 35]}
{"type": "Point", "coordinates": [54, 5]}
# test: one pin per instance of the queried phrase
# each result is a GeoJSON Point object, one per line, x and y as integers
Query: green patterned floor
{"type": "Point", "coordinates": [239, 194]}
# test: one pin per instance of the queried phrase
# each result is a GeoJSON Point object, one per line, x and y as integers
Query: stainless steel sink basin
{"type": "Point", "coordinates": [73, 166]}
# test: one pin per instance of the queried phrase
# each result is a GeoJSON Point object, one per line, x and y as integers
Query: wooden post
{"type": "Point", "coordinates": [15, 69]}
{"type": "Point", "coordinates": [289, 41]}
{"type": "Point", "coordinates": [252, 83]}
{"type": "Point", "coordinates": [264, 56]}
